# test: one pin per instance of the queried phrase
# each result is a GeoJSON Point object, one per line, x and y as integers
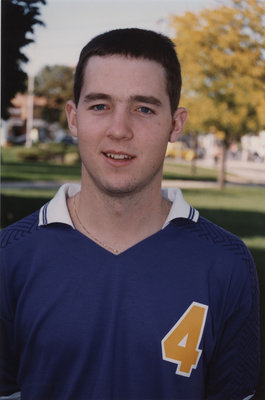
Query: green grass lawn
{"type": "Point", "coordinates": [15, 170]}
{"type": "Point", "coordinates": [174, 170]}
{"type": "Point", "coordinates": [33, 171]}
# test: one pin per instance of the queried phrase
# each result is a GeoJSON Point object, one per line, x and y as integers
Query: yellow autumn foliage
{"type": "Point", "coordinates": [222, 53]}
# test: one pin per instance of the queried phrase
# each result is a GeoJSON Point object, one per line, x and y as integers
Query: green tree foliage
{"type": "Point", "coordinates": [18, 19]}
{"type": "Point", "coordinates": [56, 84]}
{"type": "Point", "coordinates": [222, 52]}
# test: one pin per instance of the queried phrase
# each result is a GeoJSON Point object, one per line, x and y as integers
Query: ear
{"type": "Point", "coordinates": [70, 110]}
{"type": "Point", "coordinates": [179, 120]}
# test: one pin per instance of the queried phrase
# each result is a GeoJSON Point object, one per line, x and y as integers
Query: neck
{"type": "Point", "coordinates": [119, 222]}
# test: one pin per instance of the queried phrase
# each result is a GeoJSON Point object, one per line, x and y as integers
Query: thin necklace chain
{"type": "Point", "coordinates": [115, 251]}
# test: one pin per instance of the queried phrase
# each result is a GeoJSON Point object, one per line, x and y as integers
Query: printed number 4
{"type": "Point", "coordinates": [181, 344]}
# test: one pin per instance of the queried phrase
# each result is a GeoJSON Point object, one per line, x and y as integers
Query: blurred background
{"type": "Point", "coordinates": [219, 161]}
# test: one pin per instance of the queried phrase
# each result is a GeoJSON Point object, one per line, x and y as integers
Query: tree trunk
{"type": "Point", "coordinates": [222, 169]}
{"type": "Point", "coordinates": [194, 144]}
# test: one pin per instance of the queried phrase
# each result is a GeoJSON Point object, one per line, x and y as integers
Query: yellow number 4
{"type": "Point", "coordinates": [181, 344]}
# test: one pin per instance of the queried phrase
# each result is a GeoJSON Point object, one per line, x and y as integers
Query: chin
{"type": "Point", "coordinates": [119, 191]}
{"type": "Point", "coordinates": [122, 189]}
{"type": "Point", "coordinates": [124, 186]}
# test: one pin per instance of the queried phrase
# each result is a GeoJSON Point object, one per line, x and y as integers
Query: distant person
{"type": "Point", "coordinates": [116, 289]}
{"type": "Point", "coordinates": [216, 153]}
{"type": "Point", "coordinates": [233, 148]}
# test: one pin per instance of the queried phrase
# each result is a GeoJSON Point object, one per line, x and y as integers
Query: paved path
{"type": "Point", "coordinates": [54, 185]}
{"type": "Point", "coordinates": [242, 171]}
{"type": "Point", "coordinates": [182, 184]}
{"type": "Point", "coordinates": [31, 185]}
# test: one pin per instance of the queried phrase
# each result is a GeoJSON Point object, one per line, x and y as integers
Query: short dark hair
{"type": "Point", "coordinates": [135, 43]}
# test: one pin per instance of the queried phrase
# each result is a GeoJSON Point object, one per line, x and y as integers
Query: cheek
{"type": "Point", "coordinates": [154, 152]}
{"type": "Point", "coordinates": [158, 139]}
{"type": "Point", "coordinates": [87, 133]}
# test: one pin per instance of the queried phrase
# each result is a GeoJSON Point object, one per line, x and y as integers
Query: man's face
{"type": "Point", "coordinates": [123, 123]}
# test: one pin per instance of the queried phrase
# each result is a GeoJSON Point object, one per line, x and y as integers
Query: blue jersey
{"type": "Point", "coordinates": [173, 317]}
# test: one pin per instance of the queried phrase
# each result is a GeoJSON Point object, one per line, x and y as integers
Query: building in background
{"type": "Point", "coordinates": [13, 131]}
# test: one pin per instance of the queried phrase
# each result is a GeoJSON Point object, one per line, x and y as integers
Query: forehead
{"type": "Point", "coordinates": [122, 74]}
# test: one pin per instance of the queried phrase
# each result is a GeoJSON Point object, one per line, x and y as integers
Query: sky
{"type": "Point", "coordinates": [70, 24]}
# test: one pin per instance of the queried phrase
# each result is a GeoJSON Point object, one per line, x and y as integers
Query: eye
{"type": "Point", "coordinates": [98, 107]}
{"type": "Point", "coordinates": [145, 110]}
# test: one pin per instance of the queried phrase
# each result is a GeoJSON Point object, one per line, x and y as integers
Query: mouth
{"type": "Point", "coordinates": [118, 156]}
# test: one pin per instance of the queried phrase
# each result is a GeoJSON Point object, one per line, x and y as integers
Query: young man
{"type": "Point", "coordinates": [116, 290]}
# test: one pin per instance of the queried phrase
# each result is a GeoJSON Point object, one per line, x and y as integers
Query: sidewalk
{"type": "Point", "coordinates": [182, 184]}
{"type": "Point", "coordinates": [240, 172]}
{"type": "Point", "coordinates": [55, 185]}
{"type": "Point", "coordinates": [31, 185]}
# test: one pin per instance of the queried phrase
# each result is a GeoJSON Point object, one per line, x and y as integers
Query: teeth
{"type": "Point", "coordinates": [118, 156]}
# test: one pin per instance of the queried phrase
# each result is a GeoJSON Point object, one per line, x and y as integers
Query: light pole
{"type": "Point", "coordinates": [29, 123]}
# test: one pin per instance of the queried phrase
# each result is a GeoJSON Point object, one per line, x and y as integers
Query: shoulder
{"type": "Point", "coordinates": [216, 250]}
{"type": "Point", "coordinates": [207, 234]}
{"type": "Point", "coordinates": [19, 231]}
{"type": "Point", "coordinates": [223, 242]}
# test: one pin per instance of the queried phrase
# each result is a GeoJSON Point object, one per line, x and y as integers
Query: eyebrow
{"type": "Point", "coordinates": [146, 99]}
{"type": "Point", "coordinates": [96, 96]}
{"type": "Point", "coordinates": [141, 98]}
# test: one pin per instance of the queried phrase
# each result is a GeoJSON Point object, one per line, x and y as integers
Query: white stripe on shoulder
{"type": "Point", "coordinates": [248, 397]}
{"type": "Point", "coordinates": [14, 396]}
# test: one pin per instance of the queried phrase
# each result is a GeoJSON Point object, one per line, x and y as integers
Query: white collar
{"type": "Point", "coordinates": [56, 210]}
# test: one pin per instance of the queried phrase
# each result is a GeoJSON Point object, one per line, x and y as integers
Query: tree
{"type": "Point", "coordinates": [56, 84]}
{"type": "Point", "coordinates": [18, 19]}
{"type": "Point", "coordinates": [222, 55]}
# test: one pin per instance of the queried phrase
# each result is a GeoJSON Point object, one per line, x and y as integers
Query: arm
{"type": "Point", "coordinates": [8, 362]}
{"type": "Point", "coordinates": [234, 369]}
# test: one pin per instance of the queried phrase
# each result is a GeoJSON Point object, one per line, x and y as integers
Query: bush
{"type": "Point", "coordinates": [47, 152]}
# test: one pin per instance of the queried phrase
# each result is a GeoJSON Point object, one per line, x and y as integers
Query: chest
{"type": "Point", "coordinates": [129, 303]}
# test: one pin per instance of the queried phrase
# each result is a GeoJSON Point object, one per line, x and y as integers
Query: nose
{"type": "Point", "coordinates": [120, 126]}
